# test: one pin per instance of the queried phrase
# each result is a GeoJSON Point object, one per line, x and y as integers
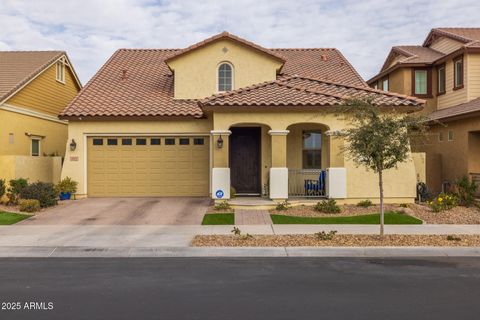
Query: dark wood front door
{"type": "Point", "coordinates": [245, 160]}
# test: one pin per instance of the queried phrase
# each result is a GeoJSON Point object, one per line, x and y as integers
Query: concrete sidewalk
{"type": "Point", "coordinates": [168, 240]}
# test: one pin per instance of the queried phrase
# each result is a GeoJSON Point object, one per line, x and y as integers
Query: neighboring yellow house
{"type": "Point", "coordinates": [224, 113]}
{"type": "Point", "coordinates": [34, 87]}
{"type": "Point", "coordinates": [445, 71]}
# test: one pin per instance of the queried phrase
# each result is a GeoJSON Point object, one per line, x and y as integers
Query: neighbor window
{"type": "Point", "coordinates": [450, 135]}
{"type": "Point", "coordinates": [385, 84]}
{"type": "Point", "coordinates": [312, 149]}
{"type": "Point", "coordinates": [421, 82]}
{"type": "Point", "coordinates": [441, 79]}
{"type": "Point", "coordinates": [458, 73]}
{"type": "Point", "coordinates": [225, 77]}
{"type": "Point", "coordinates": [35, 147]}
{"type": "Point", "coordinates": [61, 71]}
{"type": "Point", "coordinates": [440, 136]}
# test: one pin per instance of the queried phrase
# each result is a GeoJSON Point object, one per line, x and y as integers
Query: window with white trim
{"type": "Point", "coordinates": [225, 77]}
{"type": "Point", "coordinates": [385, 84]}
{"type": "Point", "coordinates": [60, 70]}
{"type": "Point", "coordinates": [312, 150]}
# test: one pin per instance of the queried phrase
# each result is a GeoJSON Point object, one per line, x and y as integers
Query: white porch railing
{"type": "Point", "coordinates": [305, 183]}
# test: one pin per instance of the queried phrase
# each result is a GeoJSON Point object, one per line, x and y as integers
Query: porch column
{"type": "Point", "coordinates": [220, 170]}
{"type": "Point", "coordinates": [279, 170]}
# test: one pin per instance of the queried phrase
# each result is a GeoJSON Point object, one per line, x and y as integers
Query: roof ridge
{"type": "Point", "coordinates": [399, 95]}
{"type": "Point", "coordinates": [228, 35]}
{"type": "Point", "coordinates": [292, 86]}
{"type": "Point", "coordinates": [149, 49]}
{"type": "Point", "coordinates": [303, 49]}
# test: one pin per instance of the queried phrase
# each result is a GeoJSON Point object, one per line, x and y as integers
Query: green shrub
{"type": "Point", "coordinates": [66, 185]}
{"type": "Point", "coordinates": [15, 188]}
{"type": "Point", "coordinates": [29, 205]}
{"type": "Point", "coordinates": [3, 188]}
{"type": "Point", "coordinates": [238, 233]}
{"type": "Point", "coordinates": [365, 203]}
{"type": "Point", "coordinates": [453, 238]}
{"type": "Point", "coordinates": [325, 236]}
{"type": "Point", "coordinates": [285, 205]}
{"type": "Point", "coordinates": [43, 192]}
{"type": "Point", "coordinates": [443, 201]}
{"type": "Point", "coordinates": [465, 190]}
{"type": "Point", "coordinates": [403, 205]}
{"type": "Point", "coordinates": [224, 205]}
{"type": "Point", "coordinates": [329, 206]}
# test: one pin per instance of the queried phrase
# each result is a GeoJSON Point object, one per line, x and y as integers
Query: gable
{"type": "Point", "coordinates": [45, 94]}
{"type": "Point", "coordinates": [445, 45]}
{"type": "Point", "coordinates": [195, 72]}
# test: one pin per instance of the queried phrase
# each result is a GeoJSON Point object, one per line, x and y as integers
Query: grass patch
{"type": "Point", "coordinates": [390, 218]}
{"type": "Point", "coordinates": [7, 218]}
{"type": "Point", "coordinates": [218, 219]}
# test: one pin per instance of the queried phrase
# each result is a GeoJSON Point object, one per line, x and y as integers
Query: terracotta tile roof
{"type": "Point", "coordinates": [221, 36]}
{"type": "Point", "coordinates": [148, 87]}
{"type": "Point", "coordinates": [463, 109]}
{"type": "Point", "coordinates": [321, 63]}
{"type": "Point", "coordinates": [19, 67]}
{"type": "Point", "coordinates": [301, 91]}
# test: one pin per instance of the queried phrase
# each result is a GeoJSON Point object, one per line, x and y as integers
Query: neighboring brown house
{"type": "Point", "coordinates": [444, 70]}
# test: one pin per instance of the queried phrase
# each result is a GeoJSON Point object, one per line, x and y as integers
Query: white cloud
{"type": "Point", "coordinates": [91, 30]}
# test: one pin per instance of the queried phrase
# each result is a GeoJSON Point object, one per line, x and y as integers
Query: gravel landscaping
{"type": "Point", "coordinates": [342, 240]}
{"type": "Point", "coordinates": [457, 215]}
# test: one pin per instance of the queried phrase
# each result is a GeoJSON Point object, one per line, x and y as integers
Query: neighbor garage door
{"type": "Point", "coordinates": [147, 166]}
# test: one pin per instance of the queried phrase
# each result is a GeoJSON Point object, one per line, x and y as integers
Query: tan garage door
{"type": "Point", "coordinates": [148, 166]}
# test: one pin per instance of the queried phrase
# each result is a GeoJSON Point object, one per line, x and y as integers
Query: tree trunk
{"type": "Point", "coordinates": [382, 211]}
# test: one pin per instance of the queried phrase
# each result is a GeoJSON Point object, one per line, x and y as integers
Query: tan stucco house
{"type": "Point", "coordinates": [35, 86]}
{"type": "Point", "coordinates": [444, 70]}
{"type": "Point", "coordinates": [224, 113]}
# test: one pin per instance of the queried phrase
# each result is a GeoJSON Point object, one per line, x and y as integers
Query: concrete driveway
{"type": "Point", "coordinates": [124, 211]}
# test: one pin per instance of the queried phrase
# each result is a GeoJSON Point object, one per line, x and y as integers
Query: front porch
{"type": "Point", "coordinates": [301, 163]}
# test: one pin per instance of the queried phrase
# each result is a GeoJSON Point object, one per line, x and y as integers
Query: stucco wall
{"type": "Point", "coordinates": [45, 169]}
{"type": "Point", "coordinates": [196, 72]}
{"type": "Point", "coordinates": [11, 122]}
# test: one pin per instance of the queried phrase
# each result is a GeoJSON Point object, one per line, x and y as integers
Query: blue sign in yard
{"type": "Point", "coordinates": [219, 193]}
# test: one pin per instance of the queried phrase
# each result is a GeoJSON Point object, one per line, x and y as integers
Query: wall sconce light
{"type": "Point", "coordinates": [220, 142]}
{"type": "Point", "coordinates": [73, 145]}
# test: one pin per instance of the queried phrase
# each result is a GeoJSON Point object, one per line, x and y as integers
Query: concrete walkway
{"type": "Point", "coordinates": [252, 217]}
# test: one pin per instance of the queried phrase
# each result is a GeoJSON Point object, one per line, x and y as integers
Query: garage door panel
{"type": "Point", "coordinates": [147, 170]}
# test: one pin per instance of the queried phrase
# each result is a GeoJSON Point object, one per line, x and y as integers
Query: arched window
{"type": "Point", "coordinates": [225, 77]}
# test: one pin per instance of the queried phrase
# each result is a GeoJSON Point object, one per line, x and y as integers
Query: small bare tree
{"type": "Point", "coordinates": [378, 138]}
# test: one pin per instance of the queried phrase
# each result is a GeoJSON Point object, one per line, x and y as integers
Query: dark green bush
{"type": "Point", "coordinates": [285, 205]}
{"type": "Point", "coordinates": [43, 192]}
{"type": "Point", "coordinates": [465, 191]}
{"type": "Point", "coordinates": [329, 206]}
{"type": "Point", "coordinates": [29, 205]}
{"type": "Point", "coordinates": [15, 188]}
{"type": "Point", "coordinates": [365, 203]}
{"type": "Point", "coordinates": [3, 188]}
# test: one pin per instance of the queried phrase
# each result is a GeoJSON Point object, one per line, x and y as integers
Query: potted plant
{"type": "Point", "coordinates": [66, 187]}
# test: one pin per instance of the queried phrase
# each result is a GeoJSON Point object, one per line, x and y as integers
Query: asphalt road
{"type": "Point", "coordinates": [243, 288]}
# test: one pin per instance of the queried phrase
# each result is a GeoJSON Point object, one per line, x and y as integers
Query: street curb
{"type": "Point", "coordinates": [152, 252]}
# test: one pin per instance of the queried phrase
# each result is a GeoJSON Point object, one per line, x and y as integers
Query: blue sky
{"type": "Point", "coordinates": [91, 30]}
